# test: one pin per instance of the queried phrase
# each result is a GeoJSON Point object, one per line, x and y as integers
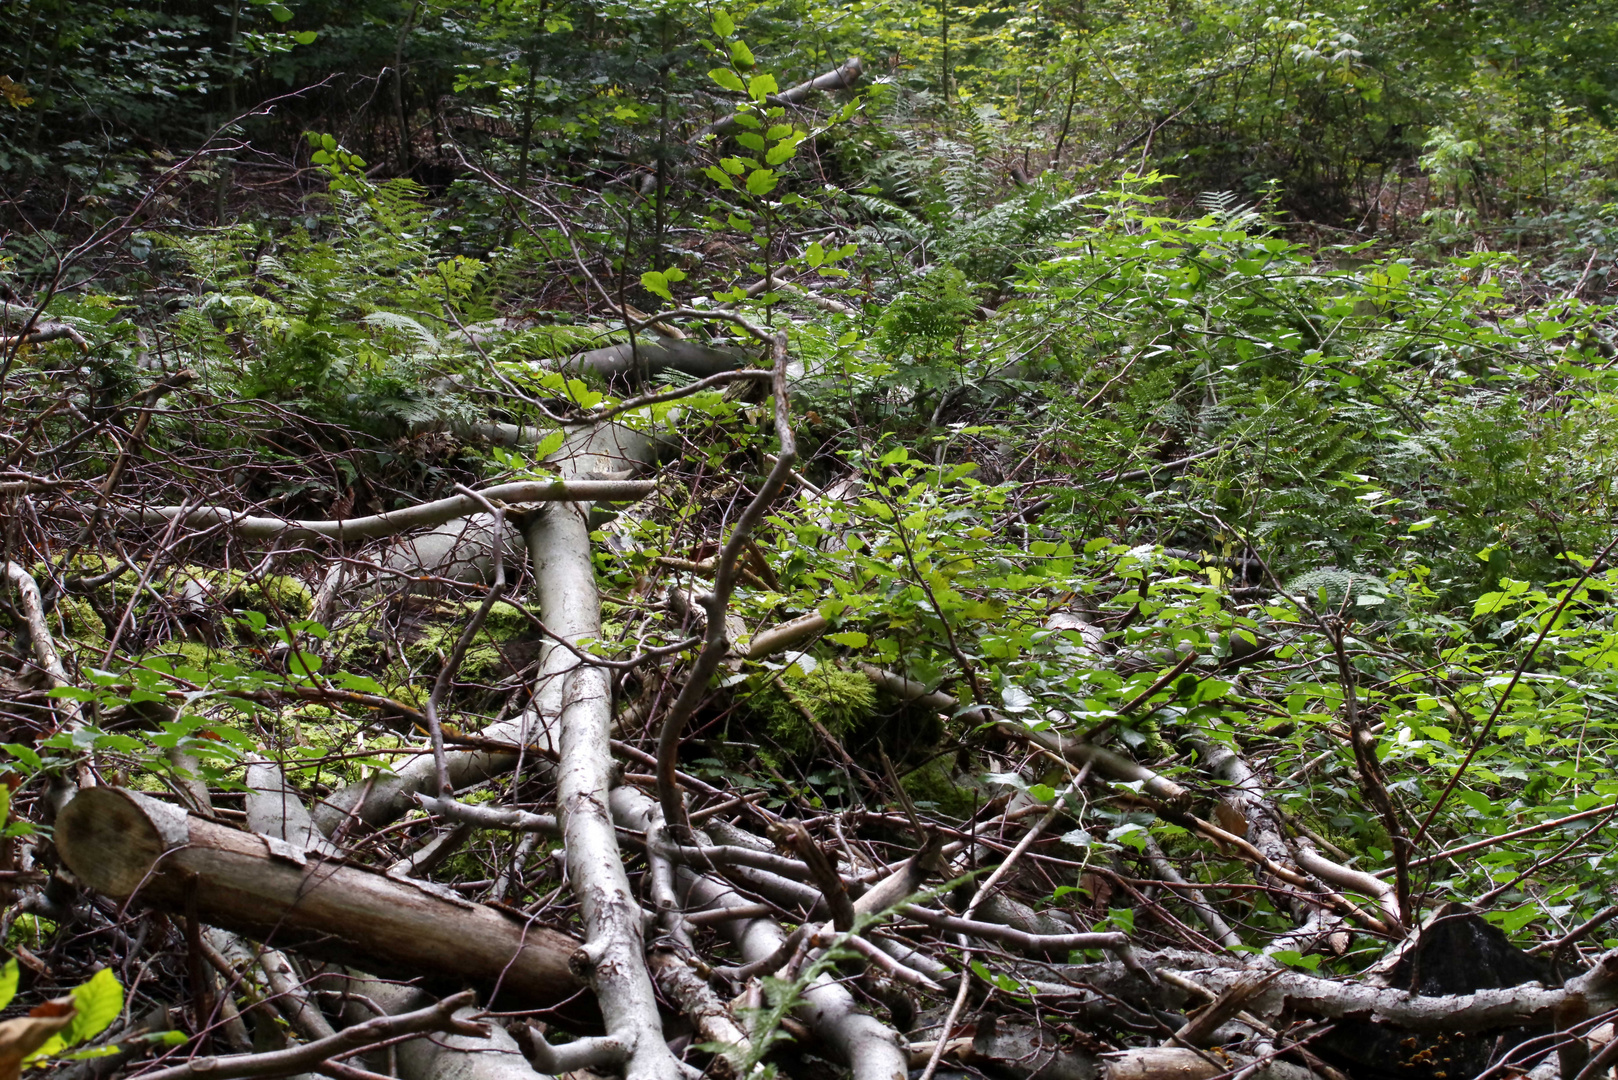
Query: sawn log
{"type": "Point", "coordinates": [127, 845]}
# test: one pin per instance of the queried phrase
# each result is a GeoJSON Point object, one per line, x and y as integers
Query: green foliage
{"type": "Point", "coordinates": [346, 322]}
{"type": "Point", "coordinates": [1344, 592]}
{"type": "Point", "coordinates": [1041, 362]}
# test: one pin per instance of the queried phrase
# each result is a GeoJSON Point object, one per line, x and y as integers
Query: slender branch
{"type": "Point", "coordinates": [715, 644]}
{"type": "Point", "coordinates": [392, 522]}
{"type": "Point", "coordinates": [452, 664]}
{"type": "Point", "coordinates": [437, 1017]}
{"type": "Point", "coordinates": [1371, 776]}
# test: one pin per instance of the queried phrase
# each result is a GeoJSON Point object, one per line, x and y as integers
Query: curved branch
{"type": "Point", "coordinates": [436, 1017]}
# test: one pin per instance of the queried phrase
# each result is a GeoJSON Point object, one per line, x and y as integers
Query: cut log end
{"type": "Point", "coordinates": [109, 841]}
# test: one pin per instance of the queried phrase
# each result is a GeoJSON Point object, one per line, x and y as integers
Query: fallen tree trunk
{"type": "Point", "coordinates": [626, 362]}
{"type": "Point", "coordinates": [491, 1056]}
{"type": "Point", "coordinates": [127, 845]}
{"type": "Point", "coordinates": [845, 76]}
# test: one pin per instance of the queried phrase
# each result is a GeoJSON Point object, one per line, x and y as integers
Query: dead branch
{"type": "Point", "coordinates": [390, 523]}
{"type": "Point", "coordinates": [436, 1017]}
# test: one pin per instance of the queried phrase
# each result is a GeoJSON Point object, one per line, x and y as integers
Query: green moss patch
{"type": "Point", "coordinates": [790, 706]}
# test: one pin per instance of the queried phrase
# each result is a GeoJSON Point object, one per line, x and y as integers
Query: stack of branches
{"type": "Point", "coordinates": [634, 917]}
{"type": "Point", "coordinates": [640, 920]}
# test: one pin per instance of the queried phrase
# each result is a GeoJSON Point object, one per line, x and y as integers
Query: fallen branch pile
{"type": "Point", "coordinates": [642, 911]}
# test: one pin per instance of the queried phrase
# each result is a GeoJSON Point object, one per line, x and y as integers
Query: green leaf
{"type": "Point", "coordinates": [550, 443]}
{"type": "Point", "coordinates": [657, 283]}
{"type": "Point", "coordinates": [761, 181]}
{"type": "Point", "coordinates": [360, 684]}
{"type": "Point", "coordinates": [99, 1002]}
{"type": "Point", "coordinates": [717, 175]}
{"type": "Point", "coordinates": [750, 139]}
{"type": "Point", "coordinates": [723, 25]}
{"type": "Point", "coordinates": [8, 982]}
{"type": "Point", "coordinates": [1293, 958]}
{"type": "Point", "coordinates": [303, 664]}
{"type": "Point", "coordinates": [853, 639]}
{"type": "Point", "coordinates": [24, 754]}
{"type": "Point", "coordinates": [761, 86]}
{"type": "Point", "coordinates": [281, 13]}
{"type": "Point", "coordinates": [727, 79]}
{"type": "Point", "coordinates": [1042, 792]}
{"type": "Point", "coordinates": [785, 150]}
{"type": "Point", "coordinates": [814, 254]}
{"type": "Point", "coordinates": [305, 37]}
{"type": "Point", "coordinates": [740, 53]}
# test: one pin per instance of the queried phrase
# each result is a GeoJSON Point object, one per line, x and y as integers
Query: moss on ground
{"type": "Point", "coordinates": [934, 787]}
{"type": "Point", "coordinates": [274, 595]}
{"type": "Point", "coordinates": [436, 639]}
{"type": "Point", "coordinates": [77, 619]}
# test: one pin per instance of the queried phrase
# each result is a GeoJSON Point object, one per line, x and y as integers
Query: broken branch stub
{"type": "Point", "coordinates": [127, 845]}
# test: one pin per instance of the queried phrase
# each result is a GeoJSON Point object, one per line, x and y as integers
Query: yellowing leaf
{"type": "Point", "coordinates": [99, 1001]}
{"type": "Point", "coordinates": [728, 79]}
{"type": "Point", "coordinates": [16, 94]}
{"type": "Point", "coordinates": [31, 1036]}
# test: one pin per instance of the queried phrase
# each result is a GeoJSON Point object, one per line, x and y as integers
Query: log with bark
{"type": "Point", "coordinates": [133, 847]}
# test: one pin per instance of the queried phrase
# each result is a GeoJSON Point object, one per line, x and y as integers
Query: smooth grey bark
{"type": "Point", "coordinates": [869, 1047]}
{"type": "Point", "coordinates": [494, 1056]}
{"type": "Point", "coordinates": [461, 550]}
{"type": "Point", "coordinates": [574, 700]}
{"type": "Point", "coordinates": [275, 808]}
{"type": "Point", "coordinates": [1163, 868]}
{"type": "Point", "coordinates": [393, 522]}
{"type": "Point", "coordinates": [386, 797]}
{"type": "Point", "coordinates": [653, 354]}
{"type": "Point", "coordinates": [846, 75]}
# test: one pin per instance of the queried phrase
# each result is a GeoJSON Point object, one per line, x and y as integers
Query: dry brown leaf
{"type": "Point", "coordinates": [24, 1035]}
